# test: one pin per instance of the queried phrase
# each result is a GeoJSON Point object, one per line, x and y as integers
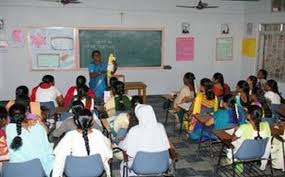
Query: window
{"type": "Point", "coordinates": [272, 50]}
{"type": "Point", "coordinates": [278, 5]}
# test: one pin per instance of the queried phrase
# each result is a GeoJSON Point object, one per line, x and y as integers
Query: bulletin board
{"type": "Point", "coordinates": [52, 48]}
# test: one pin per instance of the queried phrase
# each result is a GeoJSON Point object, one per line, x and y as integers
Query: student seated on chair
{"type": "Point", "coordinates": [205, 103]}
{"type": "Point", "coordinates": [69, 123]}
{"type": "Point", "coordinates": [220, 88]}
{"type": "Point", "coordinates": [230, 114]}
{"type": "Point", "coordinates": [46, 92]}
{"type": "Point", "coordinates": [82, 95]}
{"type": "Point", "coordinates": [187, 92]}
{"type": "Point", "coordinates": [119, 102]}
{"type": "Point", "coordinates": [83, 141]}
{"type": "Point", "coordinates": [243, 98]}
{"type": "Point", "coordinates": [262, 78]}
{"type": "Point", "coordinates": [27, 140]}
{"type": "Point", "coordinates": [257, 98]}
{"type": "Point", "coordinates": [72, 91]}
{"type": "Point", "coordinates": [253, 129]}
{"type": "Point", "coordinates": [272, 92]}
{"type": "Point", "coordinates": [4, 154]}
{"type": "Point", "coordinates": [23, 91]}
{"type": "Point", "coordinates": [252, 82]}
{"type": "Point", "coordinates": [147, 136]}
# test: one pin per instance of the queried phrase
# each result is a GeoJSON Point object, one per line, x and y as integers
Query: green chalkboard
{"type": "Point", "coordinates": [132, 48]}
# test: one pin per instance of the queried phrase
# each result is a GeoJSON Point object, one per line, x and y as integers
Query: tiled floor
{"type": "Point", "coordinates": [190, 164]}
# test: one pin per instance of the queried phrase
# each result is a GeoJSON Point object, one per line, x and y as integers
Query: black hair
{"type": "Point", "coordinates": [48, 79]}
{"type": "Point", "coordinates": [136, 100]}
{"type": "Point", "coordinates": [24, 100]}
{"type": "Point", "coordinates": [273, 85]}
{"type": "Point", "coordinates": [264, 73]}
{"type": "Point", "coordinates": [190, 79]}
{"type": "Point", "coordinates": [81, 92]}
{"type": "Point", "coordinates": [244, 86]}
{"type": "Point", "coordinates": [220, 78]}
{"type": "Point", "coordinates": [3, 112]}
{"type": "Point", "coordinates": [112, 81]}
{"type": "Point", "coordinates": [84, 122]}
{"type": "Point", "coordinates": [231, 101]}
{"type": "Point", "coordinates": [17, 113]}
{"type": "Point", "coordinates": [80, 81]}
{"type": "Point", "coordinates": [119, 90]}
{"type": "Point", "coordinates": [255, 113]}
{"type": "Point", "coordinates": [22, 90]}
{"type": "Point", "coordinates": [208, 85]}
{"type": "Point", "coordinates": [77, 107]}
{"type": "Point", "coordinates": [253, 80]}
{"type": "Point", "coordinates": [259, 93]}
{"type": "Point", "coordinates": [96, 52]}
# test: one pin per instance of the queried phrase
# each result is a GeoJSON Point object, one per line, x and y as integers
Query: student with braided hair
{"type": "Point", "coordinates": [27, 140]}
{"type": "Point", "coordinates": [253, 129]}
{"type": "Point", "coordinates": [229, 114]}
{"type": "Point", "coordinates": [83, 141]}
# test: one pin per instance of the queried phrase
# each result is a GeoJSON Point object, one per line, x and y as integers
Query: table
{"type": "Point", "coordinates": [140, 86]}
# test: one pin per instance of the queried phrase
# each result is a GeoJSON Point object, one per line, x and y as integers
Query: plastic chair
{"type": "Point", "coordinates": [32, 168]}
{"type": "Point", "coordinates": [149, 163]}
{"type": "Point", "coordinates": [274, 108]}
{"type": "Point", "coordinates": [91, 166]}
{"type": "Point", "coordinates": [250, 151]}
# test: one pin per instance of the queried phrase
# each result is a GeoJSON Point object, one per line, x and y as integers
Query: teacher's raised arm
{"type": "Point", "coordinates": [97, 72]}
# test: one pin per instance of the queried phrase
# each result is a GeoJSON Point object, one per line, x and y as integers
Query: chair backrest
{"type": "Point", "coordinates": [251, 149]}
{"type": "Point", "coordinates": [91, 166]}
{"type": "Point", "coordinates": [32, 168]}
{"type": "Point", "coordinates": [50, 106]}
{"type": "Point", "coordinates": [274, 108]}
{"type": "Point", "coordinates": [120, 135]}
{"type": "Point", "coordinates": [151, 163]}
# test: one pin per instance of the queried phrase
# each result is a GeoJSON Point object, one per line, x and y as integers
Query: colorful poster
{"type": "Point", "coordinates": [184, 49]}
{"type": "Point", "coordinates": [17, 38]}
{"type": "Point", "coordinates": [249, 47]}
{"type": "Point", "coordinates": [224, 49]}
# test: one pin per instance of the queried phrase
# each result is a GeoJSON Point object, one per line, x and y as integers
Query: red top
{"type": "Point", "coordinates": [219, 91]}
{"type": "Point", "coordinates": [70, 93]}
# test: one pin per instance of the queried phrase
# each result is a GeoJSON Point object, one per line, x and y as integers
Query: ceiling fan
{"type": "Point", "coordinates": [201, 5]}
{"type": "Point", "coordinates": [65, 2]}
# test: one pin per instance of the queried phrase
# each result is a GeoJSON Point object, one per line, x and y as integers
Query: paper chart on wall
{"type": "Point", "coordinates": [52, 48]}
{"type": "Point", "coordinates": [224, 49]}
{"type": "Point", "coordinates": [184, 49]}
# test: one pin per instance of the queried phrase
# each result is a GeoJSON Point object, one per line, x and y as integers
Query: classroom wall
{"type": "Point", "coordinates": [257, 14]}
{"type": "Point", "coordinates": [205, 27]}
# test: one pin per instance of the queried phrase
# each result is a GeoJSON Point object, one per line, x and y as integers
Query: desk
{"type": "Point", "coordinates": [206, 121]}
{"type": "Point", "coordinates": [140, 86]}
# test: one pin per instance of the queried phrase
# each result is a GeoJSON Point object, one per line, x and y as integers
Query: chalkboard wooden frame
{"type": "Point", "coordinates": [162, 30]}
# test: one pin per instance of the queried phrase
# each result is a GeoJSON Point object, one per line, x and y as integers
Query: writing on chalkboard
{"type": "Point", "coordinates": [132, 48]}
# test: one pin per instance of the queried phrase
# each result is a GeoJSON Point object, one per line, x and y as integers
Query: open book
{"type": "Point", "coordinates": [185, 106]}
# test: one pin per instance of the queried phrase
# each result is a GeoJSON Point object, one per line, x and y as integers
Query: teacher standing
{"type": "Point", "coordinates": [98, 74]}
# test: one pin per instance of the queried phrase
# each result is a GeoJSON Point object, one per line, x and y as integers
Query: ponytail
{"type": "Point", "coordinates": [17, 112]}
{"type": "Point", "coordinates": [17, 141]}
{"type": "Point", "coordinates": [189, 79]}
{"type": "Point", "coordinates": [208, 86]}
{"type": "Point", "coordinates": [84, 122]}
{"type": "Point", "coordinates": [231, 101]}
{"type": "Point", "coordinates": [86, 140]}
{"type": "Point", "coordinates": [255, 113]}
